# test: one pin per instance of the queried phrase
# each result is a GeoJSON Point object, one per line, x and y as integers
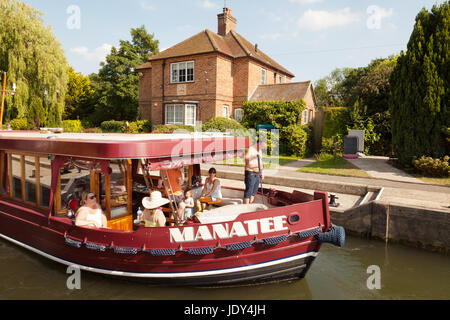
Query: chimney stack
{"type": "Point", "coordinates": [226, 22]}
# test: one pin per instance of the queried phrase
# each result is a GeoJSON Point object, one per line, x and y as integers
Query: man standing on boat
{"type": "Point", "coordinates": [254, 170]}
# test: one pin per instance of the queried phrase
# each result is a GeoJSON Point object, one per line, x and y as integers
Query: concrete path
{"type": "Point", "coordinates": [379, 168]}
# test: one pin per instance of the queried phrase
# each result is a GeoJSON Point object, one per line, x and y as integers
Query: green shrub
{"type": "Point", "coordinates": [19, 124]}
{"type": "Point", "coordinates": [72, 126]}
{"type": "Point", "coordinates": [277, 113]}
{"type": "Point", "coordinates": [170, 128]}
{"type": "Point", "coordinates": [336, 122]}
{"type": "Point", "coordinates": [293, 141]}
{"type": "Point", "coordinates": [92, 130]}
{"type": "Point", "coordinates": [142, 126]}
{"type": "Point", "coordinates": [433, 167]}
{"type": "Point", "coordinates": [328, 144]}
{"type": "Point", "coordinates": [113, 126]}
{"type": "Point", "coordinates": [222, 124]}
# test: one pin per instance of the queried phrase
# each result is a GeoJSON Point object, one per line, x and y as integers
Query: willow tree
{"type": "Point", "coordinates": [420, 84]}
{"type": "Point", "coordinates": [35, 62]}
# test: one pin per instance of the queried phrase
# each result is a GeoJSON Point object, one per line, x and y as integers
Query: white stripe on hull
{"type": "Point", "coordinates": [192, 274]}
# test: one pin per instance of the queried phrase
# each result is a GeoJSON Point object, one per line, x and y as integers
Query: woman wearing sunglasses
{"type": "Point", "coordinates": [90, 215]}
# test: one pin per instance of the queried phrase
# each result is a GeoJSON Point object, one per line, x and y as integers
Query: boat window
{"type": "Point", "coordinates": [119, 192]}
{"type": "Point", "coordinates": [74, 179]}
{"type": "Point", "coordinates": [43, 181]}
{"type": "Point", "coordinates": [3, 166]}
{"type": "Point", "coordinates": [30, 179]}
{"type": "Point", "coordinates": [16, 176]}
{"type": "Point", "coordinates": [26, 178]}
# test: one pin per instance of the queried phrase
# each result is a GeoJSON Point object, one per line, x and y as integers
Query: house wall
{"type": "Point", "coordinates": [218, 80]}
{"type": "Point", "coordinates": [145, 93]}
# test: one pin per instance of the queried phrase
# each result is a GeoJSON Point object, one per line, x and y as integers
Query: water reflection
{"type": "Point", "coordinates": [406, 273]}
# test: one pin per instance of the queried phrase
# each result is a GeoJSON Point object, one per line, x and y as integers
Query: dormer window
{"type": "Point", "coordinates": [182, 72]}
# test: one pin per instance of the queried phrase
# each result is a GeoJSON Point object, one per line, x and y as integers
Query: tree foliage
{"type": "Point", "coordinates": [117, 83]}
{"type": "Point", "coordinates": [364, 92]}
{"type": "Point", "coordinates": [78, 96]}
{"type": "Point", "coordinates": [421, 88]}
{"type": "Point", "coordinates": [35, 62]}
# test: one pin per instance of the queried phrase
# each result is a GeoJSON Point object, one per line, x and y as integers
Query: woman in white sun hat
{"type": "Point", "coordinates": [153, 214]}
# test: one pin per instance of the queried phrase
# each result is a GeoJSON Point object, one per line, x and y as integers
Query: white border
{"type": "Point", "coordinates": [192, 274]}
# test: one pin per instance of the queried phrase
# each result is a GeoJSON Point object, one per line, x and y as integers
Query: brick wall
{"type": "Point", "coordinates": [218, 80]}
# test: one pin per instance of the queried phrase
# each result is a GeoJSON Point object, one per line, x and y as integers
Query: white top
{"type": "Point", "coordinates": [217, 194]}
{"type": "Point", "coordinates": [96, 217]}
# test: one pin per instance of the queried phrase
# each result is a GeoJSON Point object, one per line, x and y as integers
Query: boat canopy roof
{"type": "Point", "coordinates": [205, 147]}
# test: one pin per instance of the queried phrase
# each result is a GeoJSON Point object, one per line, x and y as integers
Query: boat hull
{"type": "Point", "coordinates": [289, 268]}
{"type": "Point", "coordinates": [274, 255]}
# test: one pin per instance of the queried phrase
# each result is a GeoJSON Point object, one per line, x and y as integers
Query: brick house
{"type": "Point", "coordinates": [210, 75]}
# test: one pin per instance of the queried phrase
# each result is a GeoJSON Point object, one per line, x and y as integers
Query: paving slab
{"type": "Point", "coordinates": [379, 168]}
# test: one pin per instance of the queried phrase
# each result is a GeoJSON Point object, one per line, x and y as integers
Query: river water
{"type": "Point", "coordinates": [337, 273]}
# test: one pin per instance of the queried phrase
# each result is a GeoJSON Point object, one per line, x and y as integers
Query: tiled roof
{"type": "Point", "coordinates": [233, 45]}
{"type": "Point", "coordinates": [146, 65]}
{"type": "Point", "coordinates": [294, 91]}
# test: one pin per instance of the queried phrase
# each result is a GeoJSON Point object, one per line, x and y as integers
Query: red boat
{"type": "Point", "coordinates": [43, 175]}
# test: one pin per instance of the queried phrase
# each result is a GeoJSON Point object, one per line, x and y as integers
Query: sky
{"type": "Point", "coordinates": [310, 38]}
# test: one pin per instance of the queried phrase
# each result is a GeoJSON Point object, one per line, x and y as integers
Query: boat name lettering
{"type": "Point", "coordinates": [228, 230]}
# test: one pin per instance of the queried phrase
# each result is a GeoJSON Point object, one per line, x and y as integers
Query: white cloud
{"type": "Point", "coordinates": [209, 4]}
{"type": "Point", "coordinates": [271, 36]}
{"type": "Point", "coordinates": [305, 1]}
{"type": "Point", "coordinates": [271, 15]}
{"type": "Point", "coordinates": [320, 20]}
{"type": "Point", "coordinates": [146, 5]}
{"type": "Point", "coordinates": [99, 54]}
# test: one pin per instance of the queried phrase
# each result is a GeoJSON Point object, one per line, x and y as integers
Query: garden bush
{"type": "Point", "coordinates": [92, 130]}
{"type": "Point", "coordinates": [113, 126]}
{"type": "Point", "coordinates": [277, 113]}
{"type": "Point", "coordinates": [19, 124]}
{"type": "Point", "coordinates": [294, 141]}
{"type": "Point", "coordinates": [170, 128]}
{"type": "Point", "coordinates": [72, 126]}
{"type": "Point", "coordinates": [433, 167]}
{"type": "Point", "coordinates": [336, 122]}
{"type": "Point", "coordinates": [222, 124]}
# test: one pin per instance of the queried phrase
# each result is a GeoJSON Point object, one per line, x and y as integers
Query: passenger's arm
{"type": "Point", "coordinates": [161, 219]}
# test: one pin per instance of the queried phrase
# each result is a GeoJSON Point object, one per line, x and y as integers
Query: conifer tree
{"type": "Point", "coordinates": [35, 62]}
{"type": "Point", "coordinates": [420, 96]}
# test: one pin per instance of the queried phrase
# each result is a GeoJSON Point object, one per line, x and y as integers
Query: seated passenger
{"type": "Point", "coordinates": [153, 214]}
{"type": "Point", "coordinates": [211, 193]}
{"type": "Point", "coordinates": [189, 203]}
{"type": "Point", "coordinates": [90, 214]}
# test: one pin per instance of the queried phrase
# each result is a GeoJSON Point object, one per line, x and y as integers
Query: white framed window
{"type": "Point", "coordinates": [281, 79]}
{"type": "Point", "coordinates": [263, 76]}
{"type": "Point", "coordinates": [305, 116]}
{"type": "Point", "coordinates": [239, 115]}
{"type": "Point", "coordinates": [182, 72]}
{"type": "Point", "coordinates": [174, 114]}
{"type": "Point", "coordinates": [225, 111]}
{"type": "Point", "coordinates": [185, 114]}
{"type": "Point", "coordinates": [310, 116]}
{"type": "Point", "coordinates": [190, 115]}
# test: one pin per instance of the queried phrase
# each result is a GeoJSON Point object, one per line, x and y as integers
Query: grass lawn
{"type": "Point", "coordinates": [440, 181]}
{"type": "Point", "coordinates": [269, 161]}
{"type": "Point", "coordinates": [341, 167]}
